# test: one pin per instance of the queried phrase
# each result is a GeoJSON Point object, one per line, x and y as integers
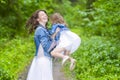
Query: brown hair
{"type": "Point", "coordinates": [32, 22]}
{"type": "Point", "coordinates": [57, 18]}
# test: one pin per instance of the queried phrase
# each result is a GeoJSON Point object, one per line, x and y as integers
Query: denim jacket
{"type": "Point", "coordinates": [42, 37]}
{"type": "Point", "coordinates": [54, 27]}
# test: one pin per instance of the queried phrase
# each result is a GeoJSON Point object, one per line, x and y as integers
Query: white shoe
{"type": "Point", "coordinates": [72, 65]}
{"type": "Point", "coordinates": [65, 59]}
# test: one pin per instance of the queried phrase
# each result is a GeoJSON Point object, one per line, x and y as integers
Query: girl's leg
{"type": "Point", "coordinates": [72, 60]}
{"type": "Point", "coordinates": [57, 53]}
{"type": "Point", "coordinates": [67, 52]}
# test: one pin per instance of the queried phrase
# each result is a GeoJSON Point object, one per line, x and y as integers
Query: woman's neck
{"type": "Point", "coordinates": [43, 24]}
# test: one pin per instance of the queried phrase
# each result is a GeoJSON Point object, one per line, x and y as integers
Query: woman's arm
{"type": "Point", "coordinates": [44, 38]}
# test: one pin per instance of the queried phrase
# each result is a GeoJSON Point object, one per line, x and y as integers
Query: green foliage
{"type": "Point", "coordinates": [11, 18]}
{"type": "Point", "coordinates": [13, 14]}
{"type": "Point", "coordinates": [104, 19]}
{"type": "Point", "coordinates": [98, 26]}
{"type": "Point", "coordinates": [98, 56]}
{"type": "Point", "coordinates": [70, 11]}
{"type": "Point", "coordinates": [97, 59]}
{"type": "Point", "coordinates": [14, 56]}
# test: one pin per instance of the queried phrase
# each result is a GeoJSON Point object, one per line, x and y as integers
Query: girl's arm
{"type": "Point", "coordinates": [55, 33]}
{"type": "Point", "coordinates": [55, 29]}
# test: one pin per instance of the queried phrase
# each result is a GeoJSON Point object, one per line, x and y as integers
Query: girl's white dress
{"type": "Point", "coordinates": [69, 40]}
{"type": "Point", "coordinates": [41, 67]}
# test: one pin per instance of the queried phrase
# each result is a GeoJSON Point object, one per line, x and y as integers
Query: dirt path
{"type": "Point", "coordinates": [58, 74]}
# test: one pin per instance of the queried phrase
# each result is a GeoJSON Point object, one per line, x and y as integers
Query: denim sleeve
{"type": "Point", "coordinates": [54, 27]}
{"type": "Point", "coordinates": [44, 39]}
{"type": "Point", "coordinates": [61, 25]}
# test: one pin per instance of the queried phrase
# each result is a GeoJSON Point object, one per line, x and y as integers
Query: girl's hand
{"type": "Point", "coordinates": [57, 30]}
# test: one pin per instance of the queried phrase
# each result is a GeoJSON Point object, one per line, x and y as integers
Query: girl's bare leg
{"type": "Point", "coordinates": [67, 52]}
{"type": "Point", "coordinates": [72, 60]}
{"type": "Point", "coordinates": [57, 53]}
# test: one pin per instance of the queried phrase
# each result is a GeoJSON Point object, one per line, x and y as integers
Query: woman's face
{"type": "Point", "coordinates": [42, 17]}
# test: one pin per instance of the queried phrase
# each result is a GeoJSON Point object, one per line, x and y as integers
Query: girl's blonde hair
{"type": "Point", "coordinates": [57, 18]}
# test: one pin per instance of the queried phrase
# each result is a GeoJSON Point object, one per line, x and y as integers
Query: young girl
{"type": "Point", "coordinates": [67, 41]}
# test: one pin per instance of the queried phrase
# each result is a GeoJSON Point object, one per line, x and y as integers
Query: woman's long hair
{"type": "Point", "coordinates": [57, 18]}
{"type": "Point", "coordinates": [32, 22]}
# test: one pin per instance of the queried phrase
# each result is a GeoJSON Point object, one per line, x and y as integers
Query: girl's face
{"type": "Point", "coordinates": [42, 17]}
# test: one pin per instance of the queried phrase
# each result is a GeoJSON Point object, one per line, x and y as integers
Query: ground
{"type": "Point", "coordinates": [58, 73]}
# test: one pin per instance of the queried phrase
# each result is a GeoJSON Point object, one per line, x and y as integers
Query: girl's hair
{"type": "Point", "coordinates": [32, 22]}
{"type": "Point", "coordinates": [57, 18]}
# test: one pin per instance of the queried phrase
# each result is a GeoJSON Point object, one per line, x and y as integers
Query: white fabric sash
{"type": "Point", "coordinates": [40, 51]}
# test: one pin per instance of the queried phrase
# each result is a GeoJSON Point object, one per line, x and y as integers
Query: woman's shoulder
{"type": "Point", "coordinates": [61, 26]}
{"type": "Point", "coordinates": [39, 30]}
{"type": "Point", "coordinates": [58, 25]}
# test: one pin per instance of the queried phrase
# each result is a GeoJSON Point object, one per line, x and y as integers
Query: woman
{"type": "Point", "coordinates": [41, 67]}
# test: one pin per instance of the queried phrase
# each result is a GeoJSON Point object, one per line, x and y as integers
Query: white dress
{"type": "Point", "coordinates": [41, 67]}
{"type": "Point", "coordinates": [69, 40]}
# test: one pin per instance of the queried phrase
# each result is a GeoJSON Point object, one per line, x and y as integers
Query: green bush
{"type": "Point", "coordinates": [14, 57]}
{"type": "Point", "coordinates": [97, 58]}
{"type": "Point", "coordinates": [103, 20]}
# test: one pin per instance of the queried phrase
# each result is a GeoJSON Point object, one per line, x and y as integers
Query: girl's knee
{"type": "Point", "coordinates": [53, 53]}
